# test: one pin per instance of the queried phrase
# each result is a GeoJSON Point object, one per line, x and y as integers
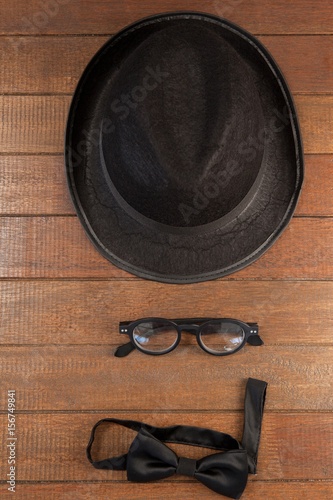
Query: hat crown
{"type": "Point", "coordinates": [186, 146]}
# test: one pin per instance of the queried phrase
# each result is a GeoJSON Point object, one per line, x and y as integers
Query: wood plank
{"type": "Point", "coordinates": [57, 247]}
{"type": "Point", "coordinates": [108, 16]}
{"type": "Point", "coordinates": [40, 65]}
{"type": "Point", "coordinates": [307, 490]}
{"type": "Point", "coordinates": [298, 253]}
{"type": "Point", "coordinates": [54, 64]}
{"type": "Point", "coordinates": [36, 124]}
{"type": "Point", "coordinates": [33, 124]}
{"type": "Point", "coordinates": [315, 113]}
{"type": "Point", "coordinates": [291, 447]}
{"type": "Point", "coordinates": [53, 247]}
{"type": "Point", "coordinates": [88, 312]}
{"type": "Point", "coordinates": [36, 185]}
{"type": "Point", "coordinates": [306, 61]}
{"type": "Point", "coordinates": [317, 192]}
{"type": "Point", "coordinates": [53, 378]}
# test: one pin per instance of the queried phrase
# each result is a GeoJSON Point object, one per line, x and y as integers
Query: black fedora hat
{"type": "Point", "coordinates": [183, 150]}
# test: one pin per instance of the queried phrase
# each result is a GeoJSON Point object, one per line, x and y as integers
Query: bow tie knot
{"type": "Point", "coordinates": [186, 467]}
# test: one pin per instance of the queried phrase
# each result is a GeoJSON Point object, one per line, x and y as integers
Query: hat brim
{"type": "Point", "coordinates": [174, 257]}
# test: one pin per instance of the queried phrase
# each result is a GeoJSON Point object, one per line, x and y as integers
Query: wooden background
{"type": "Point", "coordinates": [61, 301]}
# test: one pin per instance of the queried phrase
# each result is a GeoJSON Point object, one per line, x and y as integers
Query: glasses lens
{"type": "Point", "coordinates": [222, 337]}
{"type": "Point", "coordinates": [155, 336]}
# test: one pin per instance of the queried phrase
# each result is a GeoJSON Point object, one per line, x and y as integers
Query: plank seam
{"type": "Point", "coordinates": [136, 411]}
{"type": "Point", "coordinates": [178, 481]}
{"type": "Point", "coordinates": [69, 94]}
{"type": "Point", "coordinates": [100, 35]}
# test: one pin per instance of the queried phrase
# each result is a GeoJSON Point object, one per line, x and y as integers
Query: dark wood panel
{"type": "Point", "coordinates": [308, 490]}
{"type": "Point", "coordinates": [72, 312]}
{"type": "Point", "coordinates": [90, 377]}
{"type": "Point", "coordinates": [57, 247]}
{"type": "Point", "coordinates": [37, 185]}
{"type": "Point", "coordinates": [36, 124]}
{"type": "Point", "coordinates": [54, 64]}
{"type": "Point", "coordinates": [108, 16]}
{"type": "Point", "coordinates": [52, 447]}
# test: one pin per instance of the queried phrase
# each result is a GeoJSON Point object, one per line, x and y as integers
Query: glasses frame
{"type": "Point", "coordinates": [190, 325]}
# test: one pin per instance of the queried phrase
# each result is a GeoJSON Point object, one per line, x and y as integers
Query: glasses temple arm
{"type": "Point", "coordinates": [124, 350]}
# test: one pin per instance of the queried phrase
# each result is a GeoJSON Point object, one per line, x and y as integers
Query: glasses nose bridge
{"type": "Point", "coordinates": [191, 328]}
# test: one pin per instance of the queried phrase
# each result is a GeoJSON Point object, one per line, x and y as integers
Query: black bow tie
{"type": "Point", "coordinates": [149, 459]}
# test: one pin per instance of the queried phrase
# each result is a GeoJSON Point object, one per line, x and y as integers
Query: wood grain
{"type": "Point", "coordinates": [36, 185]}
{"type": "Point", "coordinates": [91, 377]}
{"type": "Point", "coordinates": [57, 247]}
{"type": "Point", "coordinates": [255, 490]}
{"type": "Point", "coordinates": [51, 64]}
{"type": "Point", "coordinates": [315, 112]}
{"type": "Point", "coordinates": [54, 64]}
{"type": "Point", "coordinates": [289, 449]}
{"type": "Point", "coordinates": [108, 16]}
{"type": "Point", "coordinates": [317, 192]}
{"type": "Point", "coordinates": [88, 312]}
{"type": "Point", "coordinates": [52, 247]}
{"type": "Point", "coordinates": [298, 253]}
{"type": "Point", "coordinates": [306, 61]}
{"type": "Point", "coordinates": [36, 124]}
{"type": "Point", "coordinates": [33, 124]}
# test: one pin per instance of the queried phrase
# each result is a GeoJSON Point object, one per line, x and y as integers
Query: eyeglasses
{"type": "Point", "coordinates": [158, 336]}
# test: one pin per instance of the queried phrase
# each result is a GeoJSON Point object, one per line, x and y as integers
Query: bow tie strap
{"type": "Point", "coordinates": [253, 413]}
{"type": "Point", "coordinates": [194, 436]}
{"type": "Point", "coordinates": [113, 463]}
{"type": "Point", "coordinates": [180, 434]}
